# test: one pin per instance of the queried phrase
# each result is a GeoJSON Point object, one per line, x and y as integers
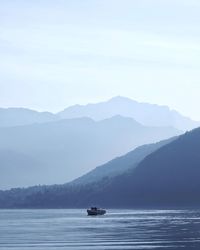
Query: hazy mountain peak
{"type": "Point", "coordinates": [144, 113]}
{"type": "Point", "coordinates": [121, 99]}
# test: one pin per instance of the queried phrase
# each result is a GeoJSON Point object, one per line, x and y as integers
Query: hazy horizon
{"type": "Point", "coordinates": [58, 53]}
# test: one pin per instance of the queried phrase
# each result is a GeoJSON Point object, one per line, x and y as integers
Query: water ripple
{"type": "Point", "coordinates": [119, 229]}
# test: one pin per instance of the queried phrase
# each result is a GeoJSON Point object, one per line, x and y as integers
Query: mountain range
{"type": "Point", "coordinates": [57, 152]}
{"type": "Point", "coordinates": [168, 177]}
{"type": "Point", "coordinates": [144, 113]}
{"type": "Point", "coordinates": [46, 148]}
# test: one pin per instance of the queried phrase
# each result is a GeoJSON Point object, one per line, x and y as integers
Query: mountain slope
{"type": "Point", "coordinates": [144, 113]}
{"type": "Point", "coordinates": [60, 151]}
{"type": "Point", "coordinates": [20, 116]}
{"type": "Point", "coordinates": [167, 178]}
{"type": "Point", "coordinates": [121, 164]}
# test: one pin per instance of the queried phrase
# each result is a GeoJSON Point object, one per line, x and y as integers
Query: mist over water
{"type": "Point", "coordinates": [118, 229]}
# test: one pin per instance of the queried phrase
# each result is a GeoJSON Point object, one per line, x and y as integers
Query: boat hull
{"type": "Point", "coordinates": [96, 212]}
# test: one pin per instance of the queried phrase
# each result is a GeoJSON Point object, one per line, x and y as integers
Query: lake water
{"type": "Point", "coordinates": [118, 229]}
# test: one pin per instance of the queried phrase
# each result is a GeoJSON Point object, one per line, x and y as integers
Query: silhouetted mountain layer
{"type": "Point", "coordinates": [10, 117]}
{"type": "Point", "coordinates": [145, 113]}
{"type": "Point", "coordinates": [101, 174]}
{"type": "Point", "coordinates": [60, 151]}
{"type": "Point", "coordinates": [168, 177]}
{"type": "Point", "coordinates": [120, 164]}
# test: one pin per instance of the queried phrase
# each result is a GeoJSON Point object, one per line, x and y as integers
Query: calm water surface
{"type": "Point", "coordinates": [118, 229]}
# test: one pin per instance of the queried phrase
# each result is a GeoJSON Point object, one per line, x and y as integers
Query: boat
{"type": "Point", "coordinates": [96, 211]}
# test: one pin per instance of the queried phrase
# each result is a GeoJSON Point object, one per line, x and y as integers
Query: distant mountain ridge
{"type": "Point", "coordinates": [45, 148]}
{"type": "Point", "coordinates": [144, 113]}
{"type": "Point", "coordinates": [60, 151]}
{"type": "Point", "coordinates": [10, 117]}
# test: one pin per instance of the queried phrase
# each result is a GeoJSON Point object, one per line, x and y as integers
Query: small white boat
{"type": "Point", "coordinates": [96, 211]}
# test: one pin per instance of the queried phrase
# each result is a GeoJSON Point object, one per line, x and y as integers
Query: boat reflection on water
{"type": "Point", "coordinates": [96, 211]}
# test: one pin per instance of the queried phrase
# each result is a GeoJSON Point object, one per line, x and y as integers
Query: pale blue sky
{"type": "Point", "coordinates": [57, 53]}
